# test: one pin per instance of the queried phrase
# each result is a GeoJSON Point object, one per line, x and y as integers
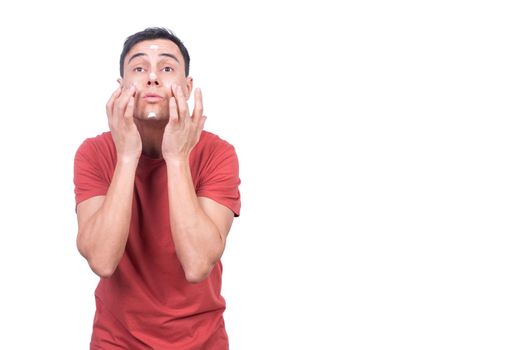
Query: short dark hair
{"type": "Point", "coordinates": [151, 34]}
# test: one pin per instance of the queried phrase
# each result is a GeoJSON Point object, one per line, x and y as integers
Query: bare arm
{"type": "Point", "coordinates": [103, 221]}
{"type": "Point", "coordinates": [199, 226]}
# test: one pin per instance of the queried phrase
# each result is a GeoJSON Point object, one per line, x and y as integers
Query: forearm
{"type": "Point", "coordinates": [103, 238]}
{"type": "Point", "coordinates": [198, 242]}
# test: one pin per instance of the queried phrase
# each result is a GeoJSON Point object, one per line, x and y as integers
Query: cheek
{"type": "Point", "coordinates": [131, 79]}
{"type": "Point", "coordinates": [170, 78]}
{"type": "Point", "coordinates": [139, 79]}
{"type": "Point", "coordinates": [168, 83]}
{"type": "Point", "coordinates": [182, 82]}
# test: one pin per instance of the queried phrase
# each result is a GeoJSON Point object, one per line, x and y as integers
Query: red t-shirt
{"type": "Point", "coordinates": [147, 303]}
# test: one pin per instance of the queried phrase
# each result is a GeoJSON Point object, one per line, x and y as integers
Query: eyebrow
{"type": "Point", "coordinates": [169, 55]}
{"type": "Point", "coordinates": [143, 54]}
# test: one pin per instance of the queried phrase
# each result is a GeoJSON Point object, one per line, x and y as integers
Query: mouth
{"type": "Point", "coordinates": [152, 97]}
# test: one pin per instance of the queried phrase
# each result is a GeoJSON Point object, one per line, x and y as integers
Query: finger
{"type": "Point", "coordinates": [123, 100]}
{"type": "Point", "coordinates": [173, 113]}
{"type": "Point", "coordinates": [199, 107]}
{"type": "Point", "coordinates": [202, 123]}
{"type": "Point", "coordinates": [130, 108]}
{"type": "Point", "coordinates": [173, 89]}
{"type": "Point", "coordinates": [201, 126]}
{"type": "Point", "coordinates": [111, 102]}
{"type": "Point", "coordinates": [183, 110]}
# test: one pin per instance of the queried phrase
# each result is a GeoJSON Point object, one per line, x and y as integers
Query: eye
{"type": "Point", "coordinates": [138, 69]}
{"type": "Point", "coordinates": [167, 69]}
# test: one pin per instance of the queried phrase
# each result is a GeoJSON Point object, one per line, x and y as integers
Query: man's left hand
{"type": "Point", "coordinates": [183, 130]}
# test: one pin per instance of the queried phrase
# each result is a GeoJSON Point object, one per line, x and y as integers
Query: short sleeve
{"type": "Point", "coordinates": [220, 181]}
{"type": "Point", "coordinates": [89, 179]}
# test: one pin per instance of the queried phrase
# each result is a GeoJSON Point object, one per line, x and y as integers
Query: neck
{"type": "Point", "coordinates": [151, 132]}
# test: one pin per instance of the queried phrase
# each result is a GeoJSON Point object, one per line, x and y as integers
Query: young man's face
{"type": "Point", "coordinates": [154, 66]}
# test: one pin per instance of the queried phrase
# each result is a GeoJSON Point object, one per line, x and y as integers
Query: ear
{"type": "Point", "coordinates": [119, 81]}
{"type": "Point", "coordinates": [189, 86]}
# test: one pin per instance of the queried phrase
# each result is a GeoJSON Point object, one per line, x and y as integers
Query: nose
{"type": "Point", "coordinates": [153, 80]}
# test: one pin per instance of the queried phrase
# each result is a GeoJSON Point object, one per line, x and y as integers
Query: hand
{"type": "Point", "coordinates": [183, 131]}
{"type": "Point", "coordinates": [119, 111]}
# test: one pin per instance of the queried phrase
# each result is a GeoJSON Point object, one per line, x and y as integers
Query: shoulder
{"type": "Point", "coordinates": [102, 143]}
{"type": "Point", "coordinates": [208, 139]}
{"type": "Point", "coordinates": [211, 144]}
{"type": "Point", "coordinates": [99, 149]}
{"type": "Point", "coordinates": [103, 140]}
{"type": "Point", "coordinates": [211, 153]}
{"type": "Point", "coordinates": [216, 171]}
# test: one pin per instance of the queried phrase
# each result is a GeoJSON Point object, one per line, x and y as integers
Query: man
{"type": "Point", "coordinates": [156, 197]}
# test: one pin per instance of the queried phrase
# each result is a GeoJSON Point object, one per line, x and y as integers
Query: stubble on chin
{"type": "Point", "coordinates": [152, 112]}
{"type": "Point", "coordinates": [159, 121]}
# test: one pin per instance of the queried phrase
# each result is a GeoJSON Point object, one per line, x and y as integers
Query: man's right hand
{"type": "Point", "coordinates": [103, 221]}
{"type": "Point", "coordinates": [126, 137]}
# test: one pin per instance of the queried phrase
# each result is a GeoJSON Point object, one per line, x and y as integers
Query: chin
{"type": "Point", "coordinates": [151, 114]}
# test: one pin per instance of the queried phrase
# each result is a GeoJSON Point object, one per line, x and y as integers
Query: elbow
{"type": "Point", "coordinates": [198, 267]}
{"type": "Point", "coordinates": [197, 274]}
{"type": "Point", "coordinates": [102, 270]}
{"type": "Point", "coordinates": [194, 279]}
{"type": "Point", "coordinates": [100, 266]}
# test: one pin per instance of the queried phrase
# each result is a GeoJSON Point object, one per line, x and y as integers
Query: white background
{"type": "Point", "coordinates": [381, 149]}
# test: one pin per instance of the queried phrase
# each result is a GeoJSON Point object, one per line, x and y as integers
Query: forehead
{"type": "Point", "coordinates": [153, 48]}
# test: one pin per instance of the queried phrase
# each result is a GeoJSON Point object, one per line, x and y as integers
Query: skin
{"type": "Point", "coordinates": [154, 81]}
